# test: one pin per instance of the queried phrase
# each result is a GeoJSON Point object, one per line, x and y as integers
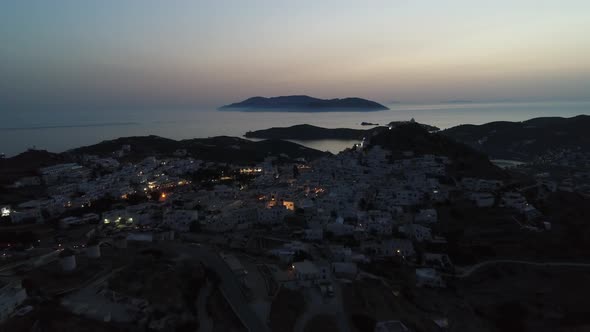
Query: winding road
{"type": "Point", "coordinates": [229, 286]}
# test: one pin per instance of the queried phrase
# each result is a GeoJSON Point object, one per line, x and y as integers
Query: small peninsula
{"type": "Point", "coordinates": [309, 132]}
{"type": "Point", "coordinates": [304, 104]}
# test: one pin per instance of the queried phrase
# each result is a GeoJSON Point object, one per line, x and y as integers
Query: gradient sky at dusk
{"type": "Point", "coordinates": [144, 53]}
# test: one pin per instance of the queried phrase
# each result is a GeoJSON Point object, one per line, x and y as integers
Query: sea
{"type": "Point", "coordinates": [58, 131]}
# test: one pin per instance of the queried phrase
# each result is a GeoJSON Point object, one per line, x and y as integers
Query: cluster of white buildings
{"type": "Point", "coordinates": [383, 205]}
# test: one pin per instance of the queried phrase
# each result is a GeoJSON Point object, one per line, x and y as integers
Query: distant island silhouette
{"type": "Point", "coordinates": [458, 101]}
{"type": "Point", "coordinates": [304, 104]}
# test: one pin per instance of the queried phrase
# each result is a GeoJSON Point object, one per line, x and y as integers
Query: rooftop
{"type": "Point", "coordinates": [305, 267]}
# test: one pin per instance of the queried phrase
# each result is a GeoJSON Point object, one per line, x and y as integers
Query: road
{"type": "Point", "coordinates": [33, 261]}
{"type": "Point", "coordinates": [229, 286]}
{"type": "Point", "coordinates": [90, 283]}
{"type": "Point", "coordinates": [205, 323]}
{"type": "Point", "coordinates": [470, 270]}
{"type": "Point", "coordinates": [319, 306]}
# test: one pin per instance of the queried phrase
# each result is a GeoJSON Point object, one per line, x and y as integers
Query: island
{"type": "Point", "coordinates": [308, 132]}
{"type": "Point", "coordinates": [304, 104]}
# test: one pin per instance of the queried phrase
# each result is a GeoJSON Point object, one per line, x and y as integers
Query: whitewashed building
{"type": "Point", "coordinates": [428, 277]}
{"type": "Point", "coordinates": [426, 216]}
{"type": "Point", "coordinates": [416, 232]}
{"type": "Point", "coordinates": [11, 296]}
{"type": "Point", "coordinates": [482, 199]}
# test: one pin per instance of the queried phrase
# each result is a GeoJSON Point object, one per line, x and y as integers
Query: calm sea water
{"type": "Point", "coordinates": [59, 131]}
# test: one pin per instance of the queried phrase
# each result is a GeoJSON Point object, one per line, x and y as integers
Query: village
{"type": "Point", "coordinates": [305, 228]}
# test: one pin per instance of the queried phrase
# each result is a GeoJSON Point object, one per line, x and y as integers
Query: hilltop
{"type": "Point", "coordinates": [27, 164]}
{"type": "Point", "coordinates": [309, 132]}
{"type": "Point", "coordinates": [304, 104]}
{"type": "Point", "coordinates": [414, 137]}
{"type": "Point", "coordinates": [525, 140]}
{"type": "Point", "coordinates": [218, 149]}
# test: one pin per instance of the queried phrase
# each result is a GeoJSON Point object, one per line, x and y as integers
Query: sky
{"type": "Point", "coordinates": [116, 54]}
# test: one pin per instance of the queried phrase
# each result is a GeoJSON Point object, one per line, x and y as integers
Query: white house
{"type": "Point", "coordinates": [381, 227]}
{"type": "Point", "coordinates": [474, 184]}
{"type": "Point", "coordinates": [27, 181]}
{"type": "Point", "coordinates": [345, 269]}
{"type": "Point", "coordinates": [70, 221]}
{"type": "Point", "coordinates": [341, 253]}
{"type": "Point", "coordinates": [27, 212]}
{"type": "Point", "coordinates": [406, 197]}
{"type": "Point", "coordinates": [530, 212]}
{"type": "Point", "coordinates": [391, 326]}
{"type": "Point", "coordinates": [416, 232]}
{"type": "Point", "coordinates": [235, 265]}
{"type": "Point", "coordinates": [67, 259]}
{"type": "Point", "coordinates": [428, 277]}
{"type": "Point", "coordinates": [115, 216]}
{"type": "Point", "coordinates": [140, 237]}
{"type": "Point", "coordinates": [514, 200]}
{"type": "Point", "coordinates": [436, 260]}
{"type": "Point", "coordinates": [426, 216]}
{"type": "Point", "coordinates": [307, 273]}
{"type": "Point", "coordinates": [283, 254]}
{"type": "Point", "coordinates": [180, 220]}
{"type": "Point", "coordinates": [273, 215]}
{"type": "Point", "coordinates": [93, 249]}
{"type": "Point", "coordinates": [90, 218]}
{"type": "Point", "coordinates": [340, 229]}
{"type": "Point", "coordinates": [313, 234]}
{"type": "Point", "coordinates": [482, 199]}
{"type": "Point", "coordinates": [11, 296]}
{"type": "Point", "coordinates": [52, 173]}
{"type": "Point", "coordinates": [397, 247]}
{"type": "Point", "coordinates": [5, 211]}
{"type": "Point", "coordinates": [67, 189]}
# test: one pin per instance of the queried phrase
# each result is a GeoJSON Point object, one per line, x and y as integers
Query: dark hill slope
{"type": "Point", "coordinates": [309, 132]}
{"type": "Point", "coordinates": [220, 149]}
{"type": "Point", "coordinates": [525, 140]}
{"type": "Point", "coordinates": [414, 137]}
{"type": "Point", "coordinates": [27, 164]}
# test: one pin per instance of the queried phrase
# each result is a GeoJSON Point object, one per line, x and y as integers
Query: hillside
{"type": "Point", "coordinates": [220, 149]}
{"type": "Point", "coordinates": [525, 140]}
{"type": "Point", "coordinates": [304, 104]}
{"type": "Point", "coordinates": [309, 132]}
{"type": "Point", "coordinates": [414, 137]}
{"type": "Point", "coordinates": [27, 164]}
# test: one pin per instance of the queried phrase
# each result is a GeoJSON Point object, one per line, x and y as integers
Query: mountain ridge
{"type": "Point", "coordinates": [525, 140]}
